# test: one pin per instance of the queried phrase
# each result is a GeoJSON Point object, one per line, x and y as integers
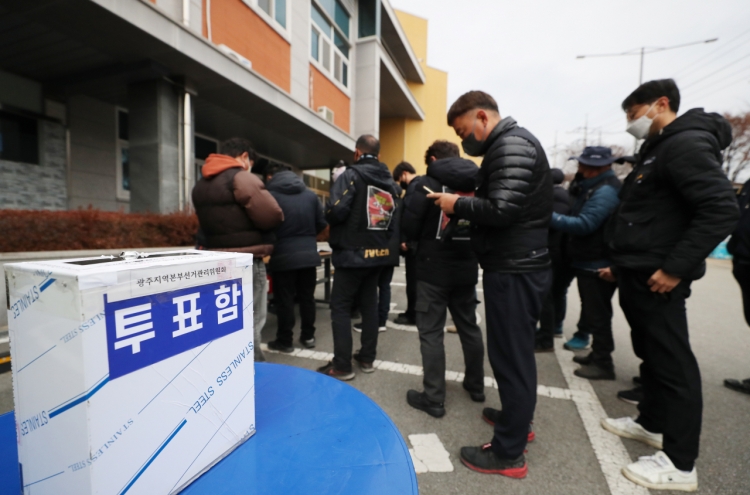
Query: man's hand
{"type": "Point", "coordinates": [404, 247]}
{"type": "Point", "coordinates": [662, 282]}
{"type": "Point", "coordinates": [606, 274]}
{"type": "Point", "coordinates": [445, 201]}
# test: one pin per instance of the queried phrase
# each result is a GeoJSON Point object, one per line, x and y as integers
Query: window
{"type": "Point", "coordinates": [329, 38]}
{"type": "Point", "coordinates": [368, 18]}
{"type": "Point", "coordinates": [19, 138]}
{"type": "Point", "coordinates": [275, 9]}
{"type": "Point", "coordinates": [123, 156]}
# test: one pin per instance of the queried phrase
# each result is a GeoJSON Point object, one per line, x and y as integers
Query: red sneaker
{"type": "Point", "coordinates": [483, 460]}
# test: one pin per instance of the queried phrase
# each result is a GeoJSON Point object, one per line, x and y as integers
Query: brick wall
{"type": "Point", "coordinates": [38, 187]}
{"type": "Point", "coordinates": [236, 25]}
{"type": "Point", "coordinates": [327, 94]}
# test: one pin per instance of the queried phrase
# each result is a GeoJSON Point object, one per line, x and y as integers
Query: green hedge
{"type": "Point", "coordinates": [36, 230]}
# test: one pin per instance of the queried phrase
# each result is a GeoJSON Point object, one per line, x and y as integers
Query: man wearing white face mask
{"type": "Point", "coordinates": [675, 207]}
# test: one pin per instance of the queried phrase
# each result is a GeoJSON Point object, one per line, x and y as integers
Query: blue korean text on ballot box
{"type": "Point", "coordinates": [131, 374]}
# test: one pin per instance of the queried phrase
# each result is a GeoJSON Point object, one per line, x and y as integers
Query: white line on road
{"type": "Point", "coordinates": [453, 376]}
{"type": "Point", "coordinates": [608, 448]}
{"type": "Point", "coordinates": [429, 455]}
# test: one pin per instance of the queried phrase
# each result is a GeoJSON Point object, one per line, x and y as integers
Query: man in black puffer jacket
{"type": "Point", "coordinates": [446, 276]}
{"type": "Point", "coordinates": [362, 212]}
{"type": "Point", "coordinates": [675, 207]}
{"type": "Point", "coordinates": [509, 215]}
{"type": "Point", "coordinates": [295, 256]}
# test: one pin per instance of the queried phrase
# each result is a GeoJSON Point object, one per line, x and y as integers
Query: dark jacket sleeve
{"type": "Point", "coordinates": [416, 206]}
{"type": "Point", "coordinates": [340, 202]}
{"type": "Point", "coordinates": [320, 218]}
{"type": "Point", "coordinates": [594, 213]}
{"type": "Point", "coordinates": [510, 168]}
{"type": "Point", "coordinates": [695, 172]}
{"type": "Point", "coordinates": [262, 208]}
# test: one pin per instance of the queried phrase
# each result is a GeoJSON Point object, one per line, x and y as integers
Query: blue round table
{"type": "Point", "coordinates": [316, 435]}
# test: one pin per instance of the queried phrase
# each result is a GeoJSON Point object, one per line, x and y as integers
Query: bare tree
{"type": "Point", "coordinates": [737, 154]}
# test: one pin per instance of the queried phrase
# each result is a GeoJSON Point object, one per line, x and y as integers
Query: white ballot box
{"type": "Point", "coordinates": [131, 374]}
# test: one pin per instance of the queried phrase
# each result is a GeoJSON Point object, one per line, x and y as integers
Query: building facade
{"type": "Point", "coordinates": [115, 104]}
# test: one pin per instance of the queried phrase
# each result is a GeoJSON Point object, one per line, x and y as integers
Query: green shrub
{"type": "Point", "coordinates": [37, 230]}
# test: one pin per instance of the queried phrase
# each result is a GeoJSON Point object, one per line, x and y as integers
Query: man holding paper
{"type": "Point", "coordinates": [509, 215]}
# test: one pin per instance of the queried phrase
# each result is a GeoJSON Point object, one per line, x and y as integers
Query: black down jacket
{"type": "Point", "coordinates": [677, 204]}
{"type": "Point", "coordinates": [295, 246]}
{"type": "Point", "coordinates": [363, 211]}
{"type": "Point", "coordinates": [513, 205]}
{"type": "Point", "coordinates": [444, 254]}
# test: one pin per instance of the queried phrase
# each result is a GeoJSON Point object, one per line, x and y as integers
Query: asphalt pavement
{"type": "Point", "coordinates": [571, 454]}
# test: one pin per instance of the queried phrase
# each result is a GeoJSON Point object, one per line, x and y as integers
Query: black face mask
{"type": "Point", "coordinates": [403, 185]}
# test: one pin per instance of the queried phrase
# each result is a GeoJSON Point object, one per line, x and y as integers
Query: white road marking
{"type": "Point", "coordinates": [452, 376]}
{"type": "Point", "coordinates": [430, 454]}
{"type": "Point", "coordinates": [608, 448]}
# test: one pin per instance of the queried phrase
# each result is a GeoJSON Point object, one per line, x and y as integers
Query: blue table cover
{"type": "Point", "coordinates": [316, 435]}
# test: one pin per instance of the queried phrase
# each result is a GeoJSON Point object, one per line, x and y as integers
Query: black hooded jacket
{"type": "Point", "coordinates": [444, 253]}
{"type": "Point", "coordinates": [513, 205]}
{"type": "Point", "coordinates": [295, 246]}
{"type": "Point", "coordinates": [364, 214]}
{"type": "Point", "coordinates": [677, 204]}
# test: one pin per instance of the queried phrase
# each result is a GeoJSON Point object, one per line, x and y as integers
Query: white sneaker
{"type": "Point", "coordinates": [628, 428]}
{"type": "Point", "coordinates": [658, 473]}
{"type": "Point", "coordinates": [357, 327]}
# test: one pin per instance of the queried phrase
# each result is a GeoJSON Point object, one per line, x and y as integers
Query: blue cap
{"type": "Point", "coordinates": [595, 156]}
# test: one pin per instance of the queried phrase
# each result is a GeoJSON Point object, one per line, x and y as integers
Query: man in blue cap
{"type": "Point", "coordinates": [594, 192]}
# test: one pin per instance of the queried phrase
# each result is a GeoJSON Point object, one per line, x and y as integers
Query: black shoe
{"type": "Point", "coordinates": [587, 359]}
{"type": "Point", "coordinates": [419, 400]}
{"type": "Point", "coordinates": [638, 380]}
{"type": "Point", "coordinates": [475, 396]}
{"type": "Point", "coordinates": [483, 459]}
{"type": "Point", "coordinates": [275, 345]}
{"type": "Point", "coordinates": [404, 319]}
{"type": "Point", "coordinates": [331, 371]}
{"type": "Point", "coordinates": [633, 396]}
{"type": "Point", "coordinates": [364, 366]}
{"type": "Point", "coordinates": [540, 347]}
{"type": "Point", "coordinates": [737, 385]}
{"type": "Point", "coordinates": [595, 372]}
{"type": "Point", "coordinates": [308, 344]}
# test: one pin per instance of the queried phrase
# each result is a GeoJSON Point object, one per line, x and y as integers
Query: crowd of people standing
{"type": "Point", "coordinates": [647, 237]}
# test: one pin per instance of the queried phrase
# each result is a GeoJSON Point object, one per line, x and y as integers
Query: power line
{"type": "Point", "coordinates": [723, 80]}
{"type": "Point", "coordinates": [681, 72]}
{"type": "Point", "coordinates": [747, 55]}
{"type": "Point", "coordinates": [706, 91]}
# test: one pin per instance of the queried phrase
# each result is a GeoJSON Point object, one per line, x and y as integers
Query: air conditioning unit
{"type": "Point", "coordinates": [236, 56]}
{"type": "Point", "coordinates": [326, 113]}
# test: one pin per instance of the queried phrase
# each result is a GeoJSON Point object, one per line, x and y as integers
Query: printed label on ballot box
{"type": "Point", "coordinates": [145, 330]}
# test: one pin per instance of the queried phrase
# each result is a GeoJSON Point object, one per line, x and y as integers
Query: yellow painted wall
{"type": "Point", "coordinates": [408, 139]}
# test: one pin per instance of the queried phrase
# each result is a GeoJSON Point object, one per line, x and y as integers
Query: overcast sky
{"type": "Point", "coordinates": [523, 52]}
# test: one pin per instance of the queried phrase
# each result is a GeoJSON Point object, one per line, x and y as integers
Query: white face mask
{"type": "Point", "coordinates": [640, 127]}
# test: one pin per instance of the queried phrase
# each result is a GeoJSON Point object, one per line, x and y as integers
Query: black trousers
{"type": "Point", "coordinates": [286, 285]}
{"type": "Point", "coordinates": [555, 304]}
{"type": "Point", "coordinates": [596, 315]}
{"type": "Point", "coordinates": [410, 260]}
{"type": "Point", "coordinates": [673, 401]}
{"type": "Point", "coordinates": [432, 301]}
{"type": "Point", "coordinates": [513, 302]}
{"type": "Point", "coordinates": [384, 294]}
{"type": "Point", "coordinates": [354, 286]}
{"type": "Point", "coordinates": [741, 272]}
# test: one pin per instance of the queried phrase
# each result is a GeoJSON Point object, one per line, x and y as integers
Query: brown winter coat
{"type": "Point", "coordinates": [235, 210]}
